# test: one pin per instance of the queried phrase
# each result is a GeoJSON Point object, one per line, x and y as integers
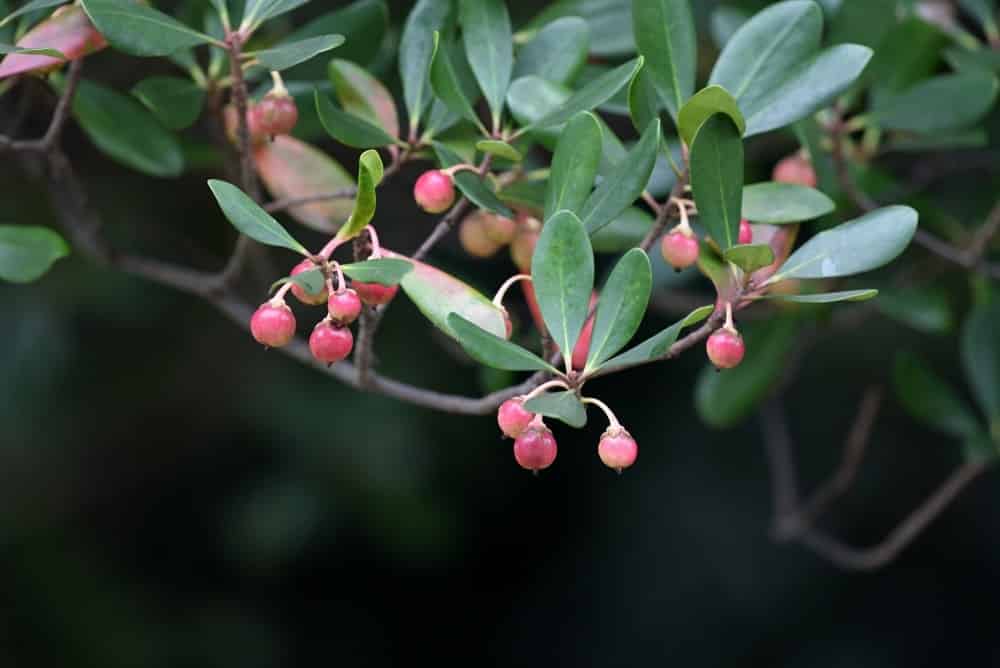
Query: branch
{"type": "Point", "coordinates": [59, 117]}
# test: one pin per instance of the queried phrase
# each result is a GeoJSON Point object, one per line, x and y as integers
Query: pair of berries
{"type": "Point", "coordinates": [483, 233]}
{"type": "Point", "coordinates": [680, 247]}
{"type": "Point", "coordinates": [535, 446]}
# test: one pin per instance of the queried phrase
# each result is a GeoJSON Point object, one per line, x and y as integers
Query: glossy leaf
{"type": "Point", "coordinates": [562, 273]}
{"type": "Point", "coordinates": [493, 351]}
{"type": "Point", "coordinates": [665, 37]}
{"type": "Point", "coordinates": [500, 149]}
{"type": "Point", "coordinates": [611, 19]}
{"type": "Point", "coordinates": [657, 345]}
{"type": "Point", "coordinates": [312, 281]}
{"type": "Point", "coordinates": [563, 406]}
{"type": "Point", "coordinates": [930, 399]}
{"type": "Point", "coordinates": [291, 54]}
{"type": "Point", "coordinates": [124, 130]}
{"type": "Point", "coordinates": [626, 231]}
{"type": "Point", "coordinates": [825, 297]}
{"type": "Point", "coordinates": [644, 102]}
{"type": "Point", "coordinates": [574, 164]}
{"type": "Point", "coordinates": [471, 185]}
{"type": "Point", "coordinates": [981, 359]}
{"type": "Point", "coordinates": [625, 184]}
{"type": "Point", "coordinates": [717, 178]}
{"type": "Point", "coordinates": [28, 252]}
{"type": "Point", "coordinates": [488, 41]}
{"type": "Point", "coordinates": [349, 129]}
{"type": "Point", "coordinates": [363, 23]}
{"type": "Point", "coordinates": [854, 247]}
{"type": "Point", "coordinates": [557, 52]}
{"type": "Point", "coordinates": [363, 95]}
{"type": "Point", "coordinates": [447, 84]}
{"type": "Point", "coordinates": [250, 219]}
{"type": "Point", "coordinates": [68, 36]}
{"type": "Point", "coordinates": [708, 101]}
{"type": "Point", "coordinates": [141, 30]}
{"type": "Point", "coordinates": [369, 176]}
{"type": "Point", "coordinates": [176, 102]}
{"type": "Point", "coordinates": [749, 257]}
{"type": "Point", "coordinates": [725, 22]}
{"type": "Point", "coordinates": [382, 270]}
{"type": "Point", "coordinates": [594, 94]}
{"type": "Point", "coordinates": [941, 103]}
{"type": "Point", "coordinates": [258, 11]}
{"type": "Point", "coordinates": [621, 306]}
{"type": "Point", "coordinates": [778, 203]}
{"type": "Point", "coordinates": [416, 49]}
{"type": "Point", "coordinates": [32, 6]}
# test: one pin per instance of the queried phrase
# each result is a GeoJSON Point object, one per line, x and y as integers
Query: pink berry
{"type": "Point", "coordinates": [375, 294]}
{"type": "Point", "coordinates": [344, 306]}
{"type": "Point", "coordinates": [535, 448]}
{"type": "Point", "coordinates": [300, 293]}
{"type": "Point", "coordinates": [330, 343]}
{"type": "Point", "coordinates": [746, 232]}
{"type": "Point", "coordinates": [725, 348]}
{"type": "Point", "coordinates": [513, 417]}
{"type": "Point", "coordinates": [434, 191]}
{"type": "Point", "coordinates": [617, 449]}
{"type": "Point", "coordinates": [679, 250]}
{"type": "Point", "coordinates": [275, 115]}
{"type": "Point", "coordinates": [795, 169]}
{"type": "Point", "coordinates": [273, 324]}
{"type": "Point", "coordinates": [231, 122]}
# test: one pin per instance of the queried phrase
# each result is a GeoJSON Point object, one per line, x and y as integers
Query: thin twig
{"type": "Point", "coordinates": [59, 116]}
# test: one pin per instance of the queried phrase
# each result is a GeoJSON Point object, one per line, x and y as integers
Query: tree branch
{"type": "Point", "coordinates": [59, 117]}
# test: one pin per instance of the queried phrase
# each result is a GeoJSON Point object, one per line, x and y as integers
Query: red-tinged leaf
{"type": "Point", "coordinates": [363, 95]}
{"type": "Point", "coordinates": [781, 239]}
{"type": "Point", "coordinates": [68, 31]}
{"type": "Point", "coordinates": [290, 168]}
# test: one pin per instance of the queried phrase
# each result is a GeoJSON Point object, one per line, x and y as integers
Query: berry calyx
{"type": "Point", "coordinates": [300, 293]}
{"type": "Point", "coordinates": [725, 346]}
{"type": "Point", "coordinates": [795, 169]}
{"type": "Point", "coordinates": [344, 306]}
{"type": "Point", "coordinates": [475, 239]}
{"type": "Point", "coordinates": [535, 449]}
{"type": "Point", "coordinates": [375, 294]}
{"type": "Point", "coordinates": [434, 191]}
{"type": "Point", "coordinates": [617, 449]}
{"type": "Point", "coordinates": [330, 343]}
{"type": "Point", "coordinates": [513, 418]}
{"type": "Point", "coordinates": [273, 324]}
{"type": "Point", "coordinates": [679, 250]}
{"type": "Point", "coordinates": [746, 232]}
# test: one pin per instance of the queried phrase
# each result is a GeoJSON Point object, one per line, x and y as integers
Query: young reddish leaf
{"type": "Point", "coordinates": [363, 95]}
{"type": "Point", "coordinates": [68, 31]}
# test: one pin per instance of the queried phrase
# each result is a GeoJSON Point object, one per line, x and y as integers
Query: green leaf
{"type": "Point", "coordinates": [930, 399]}
{"type": "Point", "coordinates": [27, 252]}
{"type": "Point", "coordinates": [854, 247]}
{"type": "Point", "coordinates": [501, 149]}
{"type": "Point", "coordinates": [708, 101]}
{"type": "Point", "coordinates": [557, 52]}
{"type": "Point", "coordinates": [258, 11]}
{"type": "Point", "coordinates": [611, 19]}
{"type": "Point", "coordinates": [176, 102]}
{"type": "Point", "coordinates": [250, 219]}
{"type": "Point", "coordinates": [624, 232]}
{"type": "Point", "coordinates": [594, 94]}
{"type": "Point", "coordinates": [621, 306]}
{"type": "Point", "coordinates": [725, 22]}
{"type": "Point", "coordinates": [383, 270]}
{"type": "Point", "coordinates": [363, 23]}
{"type": "Point", "coordinates": [471, 185]}
{"type": "Point", "coordinates": [981, 358]}
{"type": "Point", "coordinates": [448, 85]}
{"type": "Point", "coordinates": [985, 12]}
{"type": "Point", "coordinates": [563, 406]}
{"type": "Point", "coordinates": [574, 164]}
{"type": "Point", "coordinates": [723, 399]}
{"type": "Point", "coordinates": [825, 297]}
{"type": "Point", "coordinates": [749, 257]}
{"type": "Point", "coordinates": [349, 129]}
{"type": "Point", "coordinates": [931, 105]}
{"type": "Point", "coordinates": [52, 53]}
{"type": "Point", "coordinates": [644, 102]}
{"type": "Point", "coordinates": [29, 7]}
{"type": "Point", "coordinates": [777, 203]}
{"type": "Point", "coordinates": [416, 49]}
{"type": "Point", "coordinates": [657, 345]}
{"type": "Point", "coordinates": [141, 30]}
{"type": "Point", "coordinates": [489, 349]}
{"type": "Point", "coordinates": [665, 37]}
{"type": "Point", "coordinates": [123, 129]}
{"type": "Point", "coordinates": [291, 54]}
{"type": "Point", "coordinates": [717, 178]}
{"type": "Point", "coordinates": [312, 281]}
{"type": "Point", "coordinates": [363, 95]}
{"type": "Point", "coordinates": [562, 273]}
{"type": "Point", "coordinates": [625, 184]}
{"type": "Point", "coordinates": [488, 42]}
{"type": "Point", "coordinates": [925, 309]}
{"type": "Point", "coordinates": [369, 175]}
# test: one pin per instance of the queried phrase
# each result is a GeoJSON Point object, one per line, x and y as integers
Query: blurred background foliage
{"type": "Point", "coordinates": [170, 495]}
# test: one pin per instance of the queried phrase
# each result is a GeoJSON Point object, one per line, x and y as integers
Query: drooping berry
{"type": "Point", "coordinates": [535, 449]}
{"type": "Point", "coordinates": [344, 306]}
{"type": "Point", "coordinates": [375, 294]}
{"type": "Point", "coordinates": [276, 114]}
{"type": "Point", "coordinates": [330, 342]}
{"type": "Point", "coordinates": [725, 348]}
{"type": "Point", "coordinates": [273, 324]}
{"type": "Point", "coordinates": [474, 238]}
{"type": "Point", "coordinates": [434, 191]}
{"type": "Point", "coordinates": [300, 293]}
{"type": "Point", "coordinates": [522, 247]}
{"type": "Point", "coordinates": [617, 449]}
{"type": "Point", "coordinates": [230, 120]}
{"type": "Point", "coordinates": [499, 228]}
{"type": "Point", "coordinates": [795, 169]}
{"type": "Point", "coordinates": [679, 250]}
{"type": "Point", "coordinates": [746, 232]}
{"type": "Point", "coordinates": [513, 417]}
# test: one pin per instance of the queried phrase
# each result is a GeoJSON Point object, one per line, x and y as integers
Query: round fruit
{"type": "Point", "coordinates": [474, 238]}
{"type": "Point", "coordinates": [535, 449]}
{"type": "Point", "coordinates": [375, 294]}
{"type": "Point", "coordinates": [434, 191]}
{"type": "Point", "coordinates": [795, 169]}
{"type": "Point", "coordinates": [513, 418]}
{"type": "Point", "coordinates": [679, 250]}
{"type": "Point", "coordinates": [273, 324]}
{"type": "Point", "coordinates": [725, 348]}
{"type": "Point", "coordinates": [274, 115]}
{"type": "Point", "coordinates": [522, 247]}
{"type": "Point", "coordinates": [330, 343]}
{"type": "Point", "coordinates": [746, 232]}
{"type": "Point", "coordinates": [498, 228]}
{"type": "Point", "coordinates": [344, 306]}
{"type": "Point", "coordinates": [300, 292]}
{"type": "Point", "coordinates": [617, 449]}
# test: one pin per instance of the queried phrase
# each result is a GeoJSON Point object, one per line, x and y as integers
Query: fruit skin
{"type": "Point", "coordinates": [795, 169]}
{"type": "Point", "coordinates": [375, 294]}
{"type": "Point", "coordinates": [230, 120]}
{"type": "Point", "coordinates": [499, 229]}
{"type": "Point", "coordinates": [474, 238]}
{"type": "Point", "coordinates": [300, 293]}
{"type": "Point", "coordinates": [725, 348]}
{"type": "Point", "coordinates": [746, 232]}
{"type": "Point", "coordinates": [434, 191]}
{"type": "Point", "coordinates": [330, 343]}
{"type": "Point", "coordinates": [273, 325]}
{"type": "Point", "coordinates": [513, 418]}
{"type": "Point", "coordinates": [535, 449]}
{"type": "Point", "coordinates": [522, 246]}
{"type": "Point", "coordinates": [617, 449]}
{"type": "Point", "coordinates": [276, 114]}
{"type": "Point", "coordinates": [344, 306]}
{"type": "Point", "coordinates": [679, 250]}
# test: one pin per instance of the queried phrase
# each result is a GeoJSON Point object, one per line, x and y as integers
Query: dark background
{"type": "Point", "coordinates": [172, 495]}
